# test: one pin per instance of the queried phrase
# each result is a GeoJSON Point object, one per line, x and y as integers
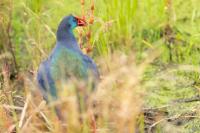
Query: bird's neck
{"type": "Point", "coordinates": [67, 39]}
{"type": "Point", "coordinates": [65, 34]}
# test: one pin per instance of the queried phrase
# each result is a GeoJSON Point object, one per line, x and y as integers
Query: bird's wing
{"type": "Point", "coordinates": [45, 81]}
{"type": "Point", "coordinates": [92, 66]}
{"type": "Point", "coordinates": [40, 77]}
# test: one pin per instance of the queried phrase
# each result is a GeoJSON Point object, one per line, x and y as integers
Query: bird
{"type": "Point", "coordinates": [65, 62]}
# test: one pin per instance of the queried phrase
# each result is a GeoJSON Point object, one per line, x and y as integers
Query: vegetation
{"type": "Point", "coordinates": [147, 52]}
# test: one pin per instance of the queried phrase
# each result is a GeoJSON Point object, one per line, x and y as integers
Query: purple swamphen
{"type": "Point", "coordinates": [65, 62]}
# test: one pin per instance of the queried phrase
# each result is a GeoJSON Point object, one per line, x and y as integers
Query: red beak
{"type": "Point", "coordinates": [80, 21]}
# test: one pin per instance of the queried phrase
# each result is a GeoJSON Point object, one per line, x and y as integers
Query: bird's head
{"type": "Point", "coordinates": [67, 25]}
{"type": "Point", "coordinates": [70, 22]}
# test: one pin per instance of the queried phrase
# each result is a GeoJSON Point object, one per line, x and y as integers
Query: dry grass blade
{"type": "Point", "coordinates": [41, 105]}
{"type": "Point", "coordinates": [24, 111]}
{"type": "Point", "coordinates": [12, 107]}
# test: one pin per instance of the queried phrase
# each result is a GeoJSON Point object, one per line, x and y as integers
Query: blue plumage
{"type": "Point", "coordinates": [65, 61]}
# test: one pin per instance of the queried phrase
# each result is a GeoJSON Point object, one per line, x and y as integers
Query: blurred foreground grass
{"type": "Point", "coordinates": [148, 54]}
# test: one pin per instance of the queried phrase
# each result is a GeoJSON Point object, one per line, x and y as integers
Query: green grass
{"type": "Point", "coordinates": [154, 46]}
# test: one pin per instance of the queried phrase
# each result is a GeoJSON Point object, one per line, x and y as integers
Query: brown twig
{"type": "Point", "coordinates": [171, 118]}
{"type": "Point", "coordinates": [158, 122]}
{"type": "Point", "coordinates": [188, 100]}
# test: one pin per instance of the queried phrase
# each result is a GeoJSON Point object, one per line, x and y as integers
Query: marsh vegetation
{"type": "Point", "coordinates": [147, 51]}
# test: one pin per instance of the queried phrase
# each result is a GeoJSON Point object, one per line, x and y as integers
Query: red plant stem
{"type": "Point", "coordinates": [91, 21]}
{"type": "Point", "coordinates": [92, 13]}
{"type": "Point", "coordinates": [93, 124]}
{"type": "Point", "coordinates": [82, 8]}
